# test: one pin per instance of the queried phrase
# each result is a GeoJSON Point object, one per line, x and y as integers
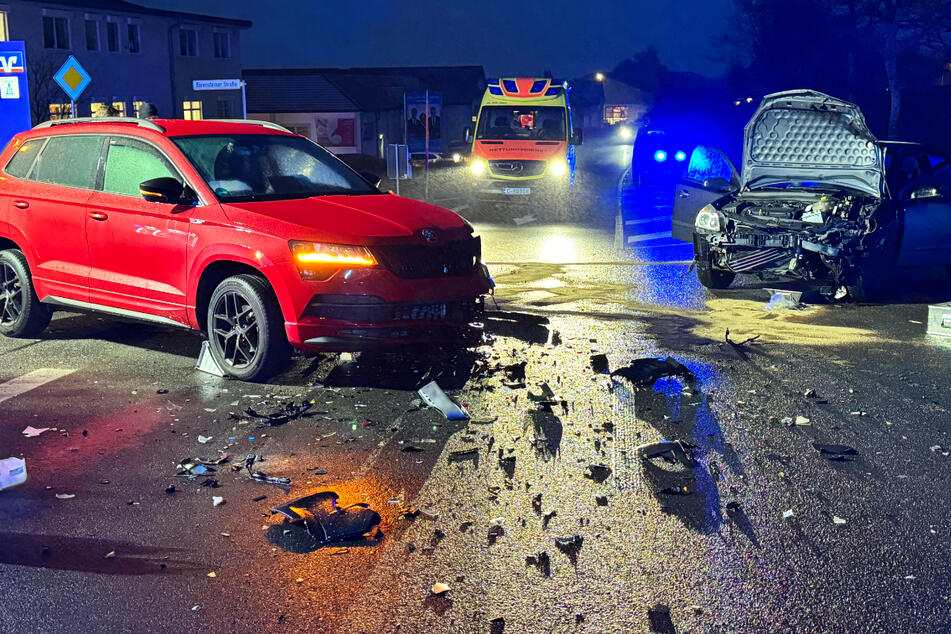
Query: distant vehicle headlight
{"type": "Point", "coordinates": [478, 167]}
{"type": "Point", "coordinates": [660, 156]}
{"type": "Point", "coordinates": [625, 133]}
{"type": "Point", "coordinates": [557, 167]}
{"type": "Point", "coordinates": [456, 157]}
{"type": "Point", "coordinates": [680, 156]}
{"type": "Point", "coordinates": [709, 220]}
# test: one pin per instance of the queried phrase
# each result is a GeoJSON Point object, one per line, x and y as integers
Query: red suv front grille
{"type": "Point", "coordinates": [415, 262]}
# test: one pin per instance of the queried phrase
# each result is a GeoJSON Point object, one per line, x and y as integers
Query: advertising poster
{"type": "Point", "coordinates": [415, 114]}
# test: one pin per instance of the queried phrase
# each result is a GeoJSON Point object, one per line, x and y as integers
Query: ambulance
{"type": "Point", "coordinates": [523, 148]}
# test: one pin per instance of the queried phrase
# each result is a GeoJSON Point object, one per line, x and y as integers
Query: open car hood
{"type": "Point", "coordinates": [804, 136]}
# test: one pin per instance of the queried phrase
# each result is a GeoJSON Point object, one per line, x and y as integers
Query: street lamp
{"type": "Point", "coordinates": [599, 76]}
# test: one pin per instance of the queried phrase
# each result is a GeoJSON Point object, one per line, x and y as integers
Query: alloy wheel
{"type": "Point", "coordinates": [11, 295]}
{"type": "Point", "coordinates": [235, 329]}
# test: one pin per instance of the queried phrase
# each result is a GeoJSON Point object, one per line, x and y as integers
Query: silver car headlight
{"type": "Point", "coordinates": [708, 220]}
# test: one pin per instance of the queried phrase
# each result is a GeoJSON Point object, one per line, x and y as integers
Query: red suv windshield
{"type": "Point", "coordinates": [245, 167]}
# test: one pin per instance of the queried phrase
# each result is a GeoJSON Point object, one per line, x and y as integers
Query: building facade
{"type": "Point", "coordinates": [134, 55]}
{"type": "Point", "coordinates": [361, 110]}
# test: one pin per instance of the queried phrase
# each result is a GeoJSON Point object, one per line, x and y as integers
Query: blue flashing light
{"type": "Point", "coordinates": [660, 156]}
{"type": "Point", "coordinates": [680, 156]}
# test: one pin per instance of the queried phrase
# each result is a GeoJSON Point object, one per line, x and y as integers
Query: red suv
{"type": "Point", "coordinates": [255, 236]}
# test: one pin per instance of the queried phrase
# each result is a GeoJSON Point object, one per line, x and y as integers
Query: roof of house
{"type": "Point", "coordinates": [358, 89]}
{"type": "Point", "coordinates": [295, 93]}
{"type": "Point", "coordinates": [120, 6]}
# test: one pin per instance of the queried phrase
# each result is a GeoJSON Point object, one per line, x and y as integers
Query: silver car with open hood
{"type": "Point", "coordinates": [819, 199]}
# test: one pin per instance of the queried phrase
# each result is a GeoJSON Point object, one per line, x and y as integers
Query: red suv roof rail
{"type": "Point", "coordinates": [143, 123]}
{"type": "Point", "coordinates": [266, 124]}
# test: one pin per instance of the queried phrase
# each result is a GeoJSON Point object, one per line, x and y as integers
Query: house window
{"type": "Point", "coordinates": [112, 37]}
{"type": "Point", "coordinates": [55, 32]}
{"type": "Point", "coordinates": [616, 114]}
{"type": "Point", "coordinates": [191, 110]}
{"type": "Point", "coordinates": [99, 109]}
{"type": "Point", "coordinates": [224, 109]}
{"type": "Point", "coordinates": [92, 35]}
{"type": "Point", "coordinates": [59, 111]}
{"type": "Point", "coordinates": [4, 27]}
{"type": "Point", "coordinates": [188, 42]}
{"type": "Point", "coordinates": [132, 32]}
{"type": "Point", "coordinates": [118, 108]}
{"type": "Point", "coordinates": [137, 107]}
{"type": "Point", "coordinates": [222, 44]}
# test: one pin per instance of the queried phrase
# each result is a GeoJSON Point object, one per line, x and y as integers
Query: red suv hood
{"type": "Point", "coordinates": [373, 219]}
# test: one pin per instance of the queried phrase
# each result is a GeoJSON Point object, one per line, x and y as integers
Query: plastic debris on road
{"type": "Point", "coordinates": [779, 299]}
{"type": "Point", "coordinates": [598, 472]}
{"type": "Point", "coordinates": [838, 520]}
{"type": "Point", "coordinates": [835, 452]}
{"type": "Point", "coordinates": [433, 395]}
{"type": "Point", "coordinates": [599, 363]}
{"type": "Point", "coordinates": [648, 371]}
{"type": "Point", "coordinates": [570, 546]}
{"type": "Point", "coordinates": [258, 476]}
{"type": "Point", "coordinates": [199, 466]}
{"type": "Point", "coordinates": [291, 411]}
{"type": "Point", "coordinates": [787, 514]}
{"type": "Point", "coordinates": [669, 451]}
{"type": "Point", "coordinates": [65, 496]}
{"type": "Point", "coordinates": [204, 439]}
{"type": "Point", "coordinates": [440, 588]}
{"type": "Point", "coordinates": [33, 432]}
{"type": "Point", "coordinates": [325, 521]}
{"type": "Point", "coordinates": [217, 500]}
{"type": "Point", "coordinates": [12, 472]}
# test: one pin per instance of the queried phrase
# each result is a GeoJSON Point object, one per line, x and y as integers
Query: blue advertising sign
{"type": "Point", "coordinates": [14, 91]}
{"type": "Point", "coordinates": [423, 112]}
{"type": "Point", "coordinates": [72, 78]}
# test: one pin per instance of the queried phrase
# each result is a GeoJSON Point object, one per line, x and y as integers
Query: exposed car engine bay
{"type": "Point", "coordinates": [810, 235]}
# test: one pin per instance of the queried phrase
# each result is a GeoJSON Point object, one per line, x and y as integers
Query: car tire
{"type": "Point", "coordinates": [714, 278]}
{"type": "Point", "coordinates": [246, 329]}
{"type": "Point", "coordinates": [21, 313]}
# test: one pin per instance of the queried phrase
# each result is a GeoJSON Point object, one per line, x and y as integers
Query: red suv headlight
{"type": "Point", "coordinates": [319, 260]}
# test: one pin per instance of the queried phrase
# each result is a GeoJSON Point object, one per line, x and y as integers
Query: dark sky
{"type": "Point", "coordinates": [508, 37]}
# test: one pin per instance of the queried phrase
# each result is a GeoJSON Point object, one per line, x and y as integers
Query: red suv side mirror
{"type": "Point", "coordinates": [167, 190]}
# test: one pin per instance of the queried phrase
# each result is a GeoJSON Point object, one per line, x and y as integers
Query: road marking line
{"type": "Point", "coordinates": [648, 236]}
{"type": "Point", "coordinates": [645, 220]}
{"type": "Point", "coordinates": [31, 381]}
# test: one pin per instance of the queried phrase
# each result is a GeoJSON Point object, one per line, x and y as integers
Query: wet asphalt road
{"type": "Point", "coordinates": [127, 407]}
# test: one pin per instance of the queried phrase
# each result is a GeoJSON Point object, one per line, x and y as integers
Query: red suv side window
{"type": "Point", "coordinates": [22, 162]}
{"type": "Point", "coordinates": [71, 161]}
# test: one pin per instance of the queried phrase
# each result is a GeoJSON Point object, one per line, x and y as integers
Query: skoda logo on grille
{"type": "Point", "coordinates": [429, 235]}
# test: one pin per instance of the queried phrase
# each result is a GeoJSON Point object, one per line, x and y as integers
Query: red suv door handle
{"type": "Point", "coordinates": [98, 215]}
{"type": "Point", "coordinates": [21, 204]}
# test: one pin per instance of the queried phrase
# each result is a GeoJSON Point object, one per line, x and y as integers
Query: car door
{"type": "Point", "coordinates": [48, 207]}
{"type": "Point", "coordinates": [710, 175]}
{"type": "Point", "coordinates": [136, 248]}
{"type": "Point", "coordinates": [926, 215]}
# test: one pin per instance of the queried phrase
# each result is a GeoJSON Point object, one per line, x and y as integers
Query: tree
{"type": "Point", "coordinates": [41, 65]}
{"type": "Point", "coordinates": [852, 48]}
{"type": "Point", "coordinates": [643, 71]}
{"type": "Point", "coordinates": [900, 28]}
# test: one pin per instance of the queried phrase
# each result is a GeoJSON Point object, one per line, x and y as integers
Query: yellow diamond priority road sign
{"type": "Point", "coordinates": [72, 78]}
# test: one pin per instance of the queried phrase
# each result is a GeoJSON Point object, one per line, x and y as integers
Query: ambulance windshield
{"type": "Point", "coordinates": [542, 123]}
